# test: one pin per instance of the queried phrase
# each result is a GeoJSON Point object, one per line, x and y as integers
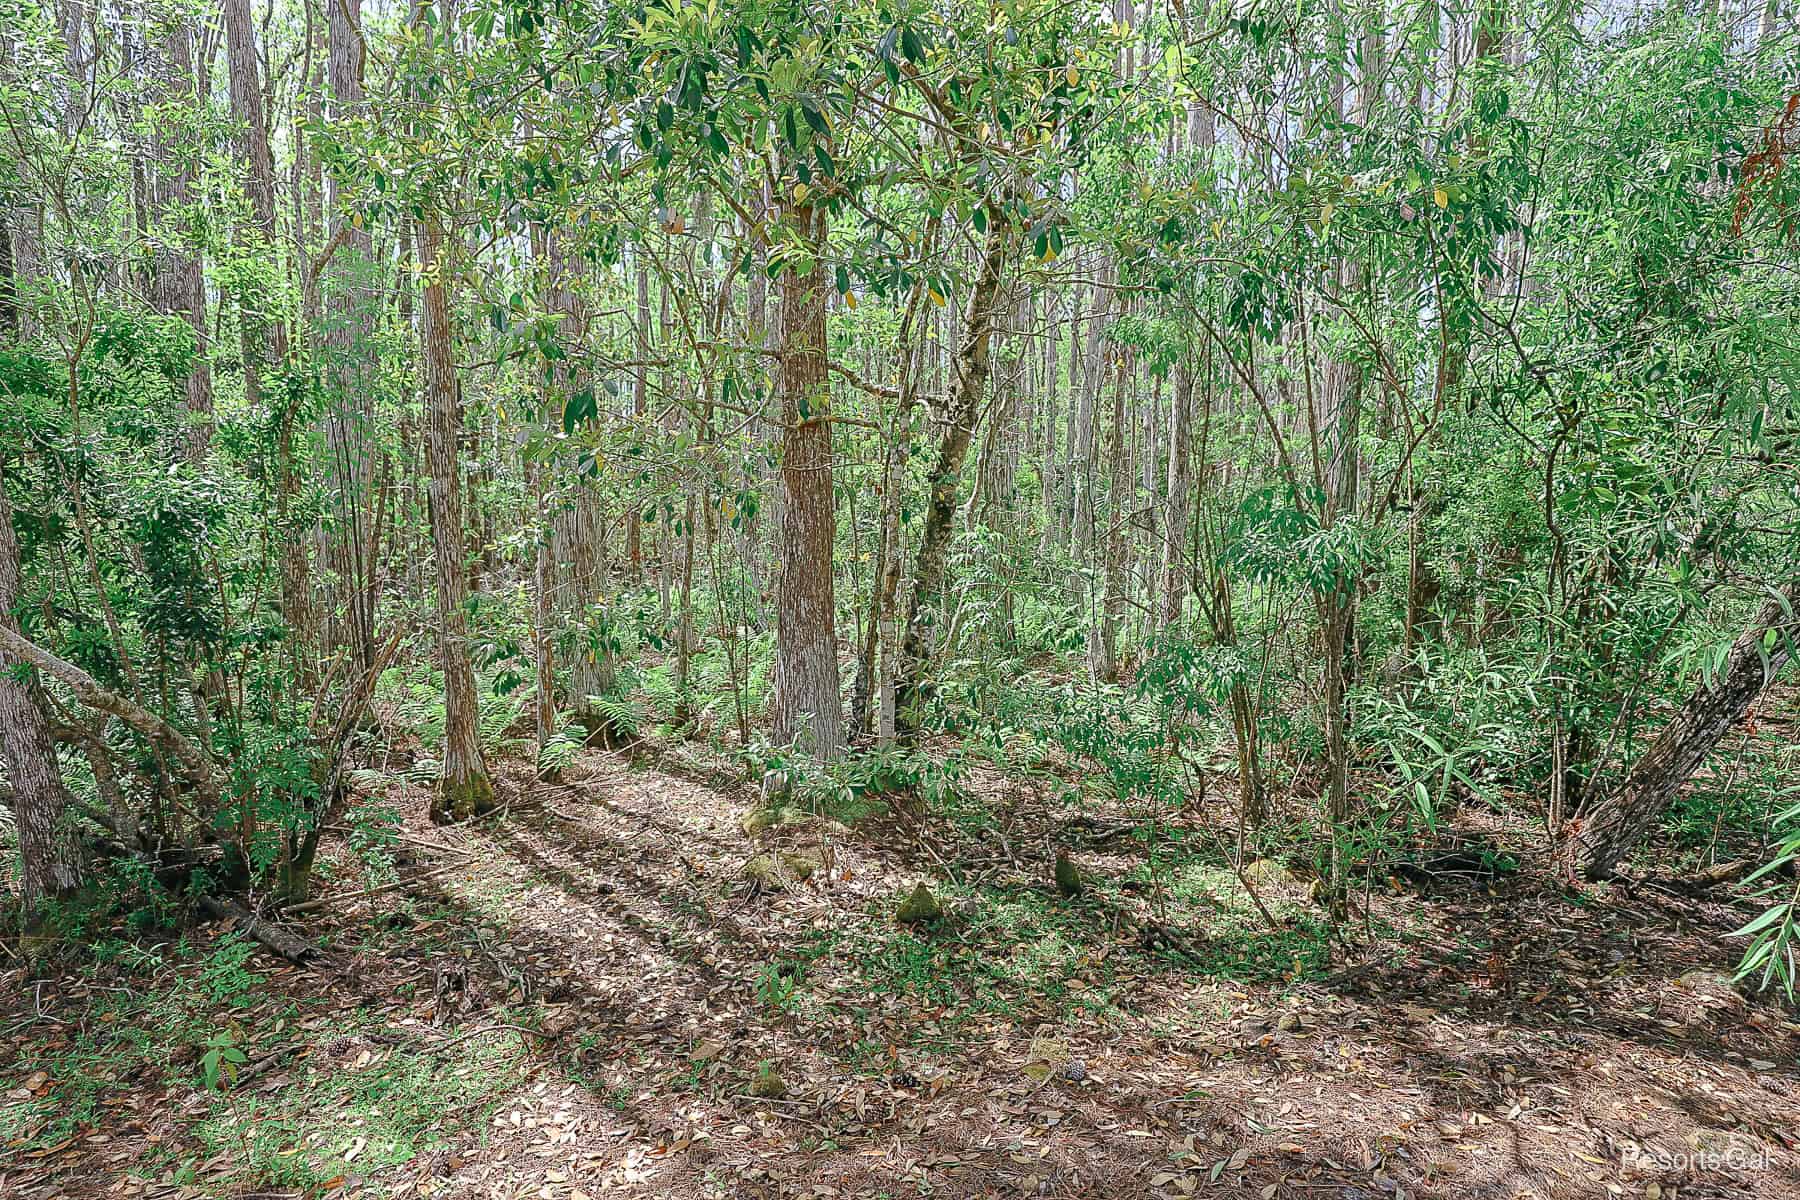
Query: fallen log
{"type": "Point", "coordinates": [1696, 884]}
{"type": "Point", "coordinates": [290, 946]}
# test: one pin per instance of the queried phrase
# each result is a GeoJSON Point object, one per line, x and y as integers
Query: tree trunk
{"type": "Point", "coordinates": [1612, 825]}
{"type": "Point", "coordinates": [1103, 647]}
{"type": "Point", "coordinates": [11, 323]}
{"type": "Point", "coordinates": [591, 667]}
{"type": "Point", "coordinates": [1081, 465]}
{"type": "Point", "coordinates": [350, 368]}
{"type": "Point", "coordinates": [1335, 611]}
{"type": "Point", "coordinates": [1174, 571]}
{"type": "Point", "coordinates": [872, 694]}
{"type": "Point", "coordinates": [1048, 486]}
{"type": "Point", "coordinates": [265, 336]}
{"type": "Point", "coordinates": [48, 856]}
{"type": "Point", "coordinates": [180, 284]}
{"type": "Point", "coordinates": [808, 709]}
{"type": "Point", "coordinates": [465, 789]}
{"type": "Point", "coordinates": [969, 383]}
{"type": "Point", "coordinates": [640, 402]}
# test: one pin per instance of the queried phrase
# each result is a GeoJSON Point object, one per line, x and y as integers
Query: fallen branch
{"type": "Point", "coordinates": [290, 946]}
{"type": "Point", "coordinates": [250, 1073]}
{"type": "Point", "coordinates": [498, 1027]}
{"type": "Point", "coordinates": [194, 761]}
{"type": "Point", "coordinates": [322, 901]}
{"type": "Point", "coordinates": [1698, 883]}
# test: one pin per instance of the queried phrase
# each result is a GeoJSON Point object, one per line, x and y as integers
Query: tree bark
{"type": "Point", "coordinates": [969, 382]}
{"type": "Point", "coordinates": [1103, 645]}
{"type": "Point", "coordinates": [808, 708]}
{"type": "Point", "coordinates": [245, 76]}
{"type": "Point", "coordinates": [49, 858]}
{"type": "Point", "coordinates": [465, 789]}
{"type": "Point", "coordinates": [1611, 825]}
{"type": "Point", "coordinates": [872, 694]}
{"type": "Point", "coordinates": [350, 367]}
{"type": "Point", "coordinates": [640, 403]}
{"type": "Point", "coordinates": [1174, 570]}
{"type": "Point", "coordinates": [180, 284]}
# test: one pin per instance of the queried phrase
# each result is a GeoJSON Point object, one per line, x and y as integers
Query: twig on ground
{"type": "Point", "coordinates": [322, 901]}
{"type": "Point", "coordinates": [497, 1027]}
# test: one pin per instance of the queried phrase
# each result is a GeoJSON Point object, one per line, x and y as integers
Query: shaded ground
{"type": "Point", "coordinates": [582, 998]}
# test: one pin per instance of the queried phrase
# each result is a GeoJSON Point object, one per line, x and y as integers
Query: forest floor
{"type": "Point", "coordinates": [587, 997]}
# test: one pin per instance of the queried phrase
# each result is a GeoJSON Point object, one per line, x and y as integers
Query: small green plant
{"type": "Point", "coordinates": [225, 976]}
{"type": "Point", "coordinates": [779, 985]}
{"type": "Point", "coordinates": [374, 832]}
{"type": "Point", "coordinates": [221, 1060]}
{"type": "Point", "coordinates": [560, 751]}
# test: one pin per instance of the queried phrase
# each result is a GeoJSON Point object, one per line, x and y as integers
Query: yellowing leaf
{"type": "Point", "coordinates": [1441, 198]}
{"type": "Point", "coordinates": [800, 190]}
{"type": "Point", "coordinates": [1072, 75]}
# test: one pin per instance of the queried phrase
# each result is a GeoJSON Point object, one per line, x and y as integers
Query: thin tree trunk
{"type": "Point", "coordinates": [552, 389]}
{"type": "Point", "coordinates": [1174, 572]}
{"type": "Point", "coordinates": [350, 367]}
{"type": "Point", "coordinates": [1104, 645]}
{"type": "Point", "coordinates": [245, 77]}
{"type": "Point", "coordinates": [1610, 827]}
{"type": "Point", "coordinates": [180, 283]}
{"type": "Point", "coordinates": [870, 695]}
{"type": "Point", "coordinates": [640, 403]}
{"type": "Point", "coordinates": [961, 410]}
{"type": "Point", "coordinates": [1049, 491]}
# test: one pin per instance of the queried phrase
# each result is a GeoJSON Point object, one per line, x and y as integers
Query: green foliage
{"type": "Point", "coordinates": [221, 1059]}
{"type": "Point", "coordinates": [561, 750]}
{"type": "Point", "coordinates": [225, 976]}
{"type": "Point", "coordinates": [374, 835]}
{"type": "Point", "coordinates": [1769, 956]}
{"type": "Point", "coordinates": [779, 985]}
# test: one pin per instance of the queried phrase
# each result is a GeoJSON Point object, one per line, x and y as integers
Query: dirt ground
{"type": "Point", "coordinates": [588, 998]}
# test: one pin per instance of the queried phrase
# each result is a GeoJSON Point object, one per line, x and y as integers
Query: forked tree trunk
{"type": "Point", "coordinates": [48, 856]}
{"type": "Point", "coordinates": [808, 708]}
{"type": "Point", "coordinates": [465, 789]}
{"type": "Point", "coordinates": [880, 642]}
{"type": "Point", "coordinates": [969, 382]}
{"type": "Point", "coordinates": [1615, 823]}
